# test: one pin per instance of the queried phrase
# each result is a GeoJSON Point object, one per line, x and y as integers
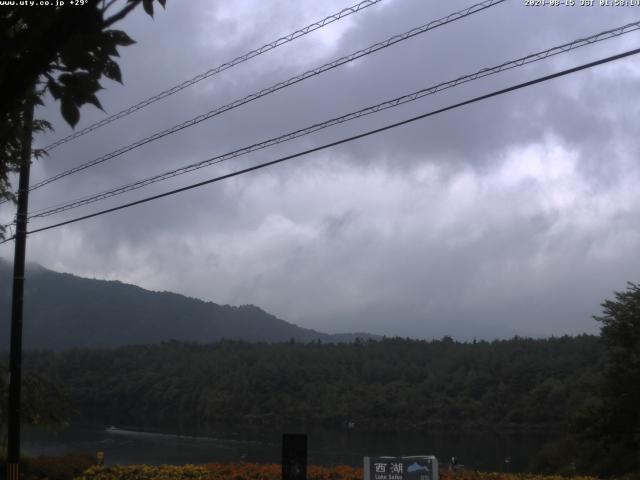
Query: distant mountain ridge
{"type": "Point", "coordinates": [66, 311]}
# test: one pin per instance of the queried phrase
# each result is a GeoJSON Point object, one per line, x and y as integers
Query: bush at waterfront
{"type": "Point", "coordinates": [252, 471]}
{"type": "Point", "coordinates": [64, 467]}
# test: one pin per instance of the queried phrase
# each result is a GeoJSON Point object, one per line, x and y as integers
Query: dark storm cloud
{"type": "Point", "coordinates": [518, 212]}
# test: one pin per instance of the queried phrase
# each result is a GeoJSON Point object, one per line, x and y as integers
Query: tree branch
{"type": "Point", "coordinates": [121, 14]}
{"type": "Point", "coordinates": [106, 6]}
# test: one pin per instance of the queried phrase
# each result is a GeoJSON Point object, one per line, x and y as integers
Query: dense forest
{"type": "Point", "coordinates": [516, 384]}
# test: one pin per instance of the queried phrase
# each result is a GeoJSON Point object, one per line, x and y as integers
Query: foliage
{"type": "Point", "coordinates": [620, 333]}
{"type": "Point", "coordinates": [557, 457]}
{"type": "Point", "coordinates": [43, 402]}
{"type": "Point", "coordinates": [252, 471]}
{"type": "Point", "coordinates": [608, 428]}
{"type": "Point", "coordinates": [604, 437]}
{"type": "Point", "coordinates": [216, 471]}
{"type": "Point", "coordinates": [518, 383]}
{"type": "Point", "coordinates": [65, 467]}
{"type": "Point", "coordinates": [146, 472]}
{"type": "Point", "coordinates": [472, 475]}
{"type": "Point", "coordinates": [64, 52]}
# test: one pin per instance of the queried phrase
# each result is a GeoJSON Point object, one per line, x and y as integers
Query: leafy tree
{"type": "Point", "coordinates": [64, 51]}
{"type": "Point", "coordinates": [604, 437]}
{"type": "Point", "coordinates": [604, 432]}
{"type": "Point", "coordinates": [618, 418]}
{"type": "Point", "coordinates": [44, 403]}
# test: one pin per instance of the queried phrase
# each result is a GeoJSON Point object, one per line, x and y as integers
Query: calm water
{"type": "Point", "coordinates": [129, 445]}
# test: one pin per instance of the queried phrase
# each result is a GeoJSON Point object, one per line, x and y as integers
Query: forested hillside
{"type": "Point", "coordinates": [64, 311]}
{"type": "Point", "coordinates": [519, 383]}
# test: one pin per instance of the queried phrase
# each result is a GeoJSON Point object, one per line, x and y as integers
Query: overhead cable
{"type": "Point", "coordinates": [534, 57]}
{"type": "Point", "coordinates": [278, 86]}
{"type": "Point", "coordinates": [214, 71]}
{"type": "Point", "coordinates": [344, 140]}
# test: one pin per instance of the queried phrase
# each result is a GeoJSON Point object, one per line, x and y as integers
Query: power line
{"type": "Point", "coordinates": [214, 71]}
{"type": "Point", "coordinates": [344, 140]}
{"type": "Point", "coordinates": [612, 33]}
{"type": "Point", "coordinates": [278, 86]}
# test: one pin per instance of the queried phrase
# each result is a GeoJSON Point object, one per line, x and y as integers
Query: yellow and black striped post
{"type": "Point", "coordinates": [13, 471]}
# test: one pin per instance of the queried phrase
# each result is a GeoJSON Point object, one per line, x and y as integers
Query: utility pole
{"type": "Point", "coordinates": [15, 351]}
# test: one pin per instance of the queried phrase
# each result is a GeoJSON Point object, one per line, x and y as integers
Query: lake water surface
{"type": "Point", "coordinates": [129, 445]}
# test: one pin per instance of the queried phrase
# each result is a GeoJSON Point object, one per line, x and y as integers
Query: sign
{"type": "Point", "coordinates": [416, 467]}
{"type": "Point", "coordinates": [100, 458]}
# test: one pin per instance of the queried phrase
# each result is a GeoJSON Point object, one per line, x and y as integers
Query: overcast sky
{"type": "Point", "coordinates": [519, 214]}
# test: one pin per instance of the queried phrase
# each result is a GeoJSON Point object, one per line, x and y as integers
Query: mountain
{"type": "Point", "coordinates": [64, 311]}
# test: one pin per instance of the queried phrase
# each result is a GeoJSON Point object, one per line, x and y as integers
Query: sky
{"type": "Point", "coordinates": [515, 215]}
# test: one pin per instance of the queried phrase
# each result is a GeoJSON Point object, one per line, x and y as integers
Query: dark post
{"type": "Point", "coordinates": [15, 355]}
{"type": "Point", "coordinates": [294, 457]}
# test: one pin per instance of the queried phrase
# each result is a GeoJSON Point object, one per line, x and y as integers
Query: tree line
{"type": "Point", "coordinates": [393, 383]}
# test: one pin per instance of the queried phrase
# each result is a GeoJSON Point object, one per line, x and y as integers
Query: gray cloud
{"type": "Point", "coordinates": [515, 215]}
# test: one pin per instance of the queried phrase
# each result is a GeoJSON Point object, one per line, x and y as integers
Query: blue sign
{"type": "Point", "coordinates": [416, 467]}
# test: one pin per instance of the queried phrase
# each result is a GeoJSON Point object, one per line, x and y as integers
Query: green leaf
{"type": "Point", "coordinates": [120, 38]}
{"type": "Point", "coordinates": [112, 70]}
{"type": "Point", "coordinates": [76, 55]}
{"type": "Point", "coordinates": [55, 89]}
{"type": "Point", "coordinates": [40, 125]}
{"type": "Point", "coordinates": [148, 6]}
{"type": "Point", "coordinates": [67, 79]}
{"type": "Point", "coordinates": [69, 111]}
{"type": "Point", "coordinates": [80, 85]}
{"type": "Point", "coordinates": [93, 100]}
{"type": "Point", "coordinates": [108, 45]}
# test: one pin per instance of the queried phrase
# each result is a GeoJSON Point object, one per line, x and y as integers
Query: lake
{"type": "Point", "coordinates": [129, 445]}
